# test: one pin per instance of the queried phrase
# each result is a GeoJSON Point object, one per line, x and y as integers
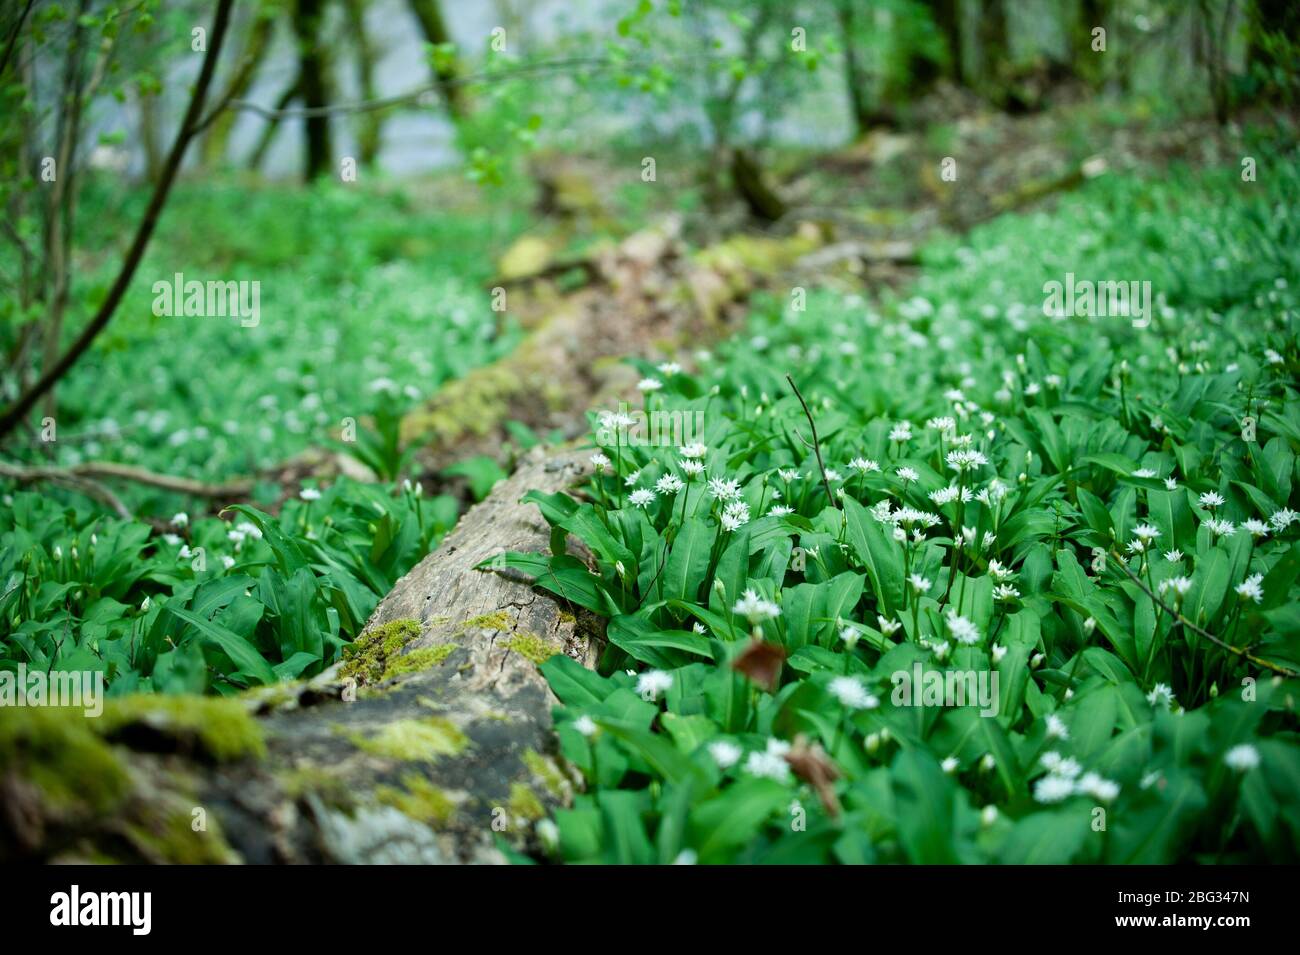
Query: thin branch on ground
{"type": "Point", "coordinates": [1200, 631]}
{"type": "Point", "coordinates": [82, 483]}
{"type": "Point", "coordinates": [97, 470]}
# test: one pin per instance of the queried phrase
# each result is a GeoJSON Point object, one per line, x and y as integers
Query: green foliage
{"type": "Point", "coordinates": [215, 605]}
{"type": "Point", "coordinates": [368, 302]}
{"type": "Point", "coordinates": [1001, 480]}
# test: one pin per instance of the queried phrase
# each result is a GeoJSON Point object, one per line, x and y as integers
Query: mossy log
{"type": "Point", "coordinates": [430, 743]}
{"type": "Point", "coordinates": [650, 297]}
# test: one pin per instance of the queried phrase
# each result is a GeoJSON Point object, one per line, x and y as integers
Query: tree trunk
{"type": "Point", "coordinates": [1087, 63]}
{"type": "Point", "coordinates": [150, 139]}
{"type": "Point", "coordinates": [753, 187]}
{"type": "Point", "coordinates": [312, 74]}
{"type": "Point", "coordinates": [947, 17]}
{"type": "Point", "coordinates": [447, 74]}
{"type": "Point", "coordinates": [995, 48]}
{"type": "Point", "coordinates": [855, 78]}
{"type": "Point", "coordinates": [369, 124]}
{"type": "Point", "coordinates": [264, 141]}
{"type": "Point", "coordinates": [217, 138]}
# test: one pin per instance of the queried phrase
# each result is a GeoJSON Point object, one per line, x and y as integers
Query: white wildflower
{"type": "Point", "coordinates": [725, 753]}
{"type": "Point", "coordinates": [962, 629]}
{"type": "Point", "coordinates": [1242, 758]}
{"type": "Point", "coordinates": [653, 682]}
{"type": "Point", "coordinates": [754, 608]}
{"type": "Point", "coordinates": [1251, 589]}
{"type": "Point", "coordinates": [641, 497]}
{"type": "Point", "coordinates": [852, 694]}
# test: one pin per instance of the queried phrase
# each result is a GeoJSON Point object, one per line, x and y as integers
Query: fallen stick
{"type": "Point", "coordinates": [28, 474]}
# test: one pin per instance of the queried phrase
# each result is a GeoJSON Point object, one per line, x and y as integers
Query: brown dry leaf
{"type": "Point", "coordinates": [761, 662]}
{"type": "Point", "coordinates": [811, 764]}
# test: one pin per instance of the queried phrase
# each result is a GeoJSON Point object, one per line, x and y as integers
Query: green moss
{"type": "Point", "coordinates": [497, 620]}
{"type": "Point", "coordinates": [546, 770]}
{"type": "Point", "coordinates": [368, 658]}
{"type": "Point", "coordinates": [416, 660]}
{"type": "Point", "coordinates": [470, 405]}
{"type": "Point", "coordinates": [220, 729]}
{"type": "Point", "coordinates": [528, 256]}
{"type": "Point", "coordinates": [524, 804]}
{"type": "Point", "coordinates": [533, 647]}
{"type": "Point", "coordinates": [176, 842]}
{"type": "Point", "coordinates": [419, 799]}
{"type": "Point", "coordinates": [331, 787]}
{"type": "Point", "coordinates": [422, 740]}
{"type": "Point", "coordinates": [61, 751]}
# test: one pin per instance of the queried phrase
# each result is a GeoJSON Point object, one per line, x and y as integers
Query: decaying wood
{"type": "Point", "coordinates": [649, 297]}
{"type": "Point", "coordinates": [893, 251]}
{"type": "Point", "coordinates": [433, 765]}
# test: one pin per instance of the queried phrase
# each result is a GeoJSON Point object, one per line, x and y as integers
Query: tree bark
{"type": "Point", "coordinates": [995, 48]}
{"type": "Point", "coordinates": [753, 187]}
{"type": "Point", "coordinates": [369, 124]}
{"type": "Point", "coordinates": [855, 78]}
{"type": "Point", "coordinates": [646, 297]}
{"type": "Point", "coordinates": [313, 76]}
{"type": "Point", "coordinates": [433, 764]}
{"type": "Point", "coordinates": [947, 17]}
{"type": "Point", "coordinates": [217, 138]}
{"type": "Point", "coordinates": [447, 75]}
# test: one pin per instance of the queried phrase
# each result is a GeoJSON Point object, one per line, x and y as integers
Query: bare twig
{"type": "Point", "coordinates": [13, 37]}
{"type": "Point", "coordinates": [1199, 631]}
{"type": "Point", "coordinates": [70, 479]}
{"type": "Point", "coordinates": [416, 95]}
{"type": "Point", "coordinates": [124, 472]}
{"type": "Point", "coordinates": [816, 442]}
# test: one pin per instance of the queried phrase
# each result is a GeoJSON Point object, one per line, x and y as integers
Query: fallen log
{"type": "Point", "coordinates": [430, 743]}
{"type": "Point", "coordinates": [650, 298]}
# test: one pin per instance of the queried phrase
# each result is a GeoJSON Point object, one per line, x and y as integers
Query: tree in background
{"type": "Point", "coordinates": [994, 49]}
{"type": "Point", "coordinates": [446, 64]}
{"type": "Point", "coordinates": [1085, 63]}
{"type": "Point", "coordinates": [87, 54]}
{"type": "Point", "coordinates": [1273, 49]}
{"type": "Point", "coordinates": [369, 124]}
{"type": "Point", "coordinates": [255, 36]}
{"type": "Point", "coordinates": [313, 77]}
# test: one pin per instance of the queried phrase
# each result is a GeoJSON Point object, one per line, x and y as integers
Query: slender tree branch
{"type": "Point", "coordinates": [106, 469]}
{"type": "Point", "coordinates": [816, 442]}
{"type": "Point", "coordinates": [415, 95]}
{"type": "Point", "coordinates": [16, 412]}
{"type": "Point", "coordinates": [1199, 631]}
{"type": "Point", "coordinates": [13, 37]}
{"type": "Point", "coordinates": [70, 479]}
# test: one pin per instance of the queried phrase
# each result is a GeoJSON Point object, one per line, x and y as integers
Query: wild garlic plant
{"type": "Point", "coordinates": [1092, 528]}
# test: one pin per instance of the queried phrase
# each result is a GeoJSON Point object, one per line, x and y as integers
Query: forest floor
{"type": "Point", "coordinates": [923, 299]}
